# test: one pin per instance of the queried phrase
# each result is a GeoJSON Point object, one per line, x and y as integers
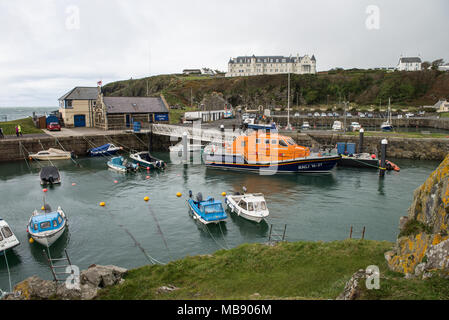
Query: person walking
{"type": "Point", "coordinates": [20, 130]}
{"type": "Point", "coordinates": [1, 133]}
{"type": "Point", "coordinates": [17, 131]}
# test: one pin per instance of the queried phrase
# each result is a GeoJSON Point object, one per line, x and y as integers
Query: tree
{"type": "Point", "coordinates": [437, 63]}
{"type": "Point", "coordinates": [425, 65]}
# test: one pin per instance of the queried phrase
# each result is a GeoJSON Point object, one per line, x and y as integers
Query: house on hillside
{"type": "Point", "coordinates": [409, 64]}
{"type": "Point", "coordinates": [75, 107]}
{"type": "Point", "coordinates": [191, 71]}
{"type": "Point", "coordinates": [118, 113]}
{"type": "Point", "coordinates": [442, 106]}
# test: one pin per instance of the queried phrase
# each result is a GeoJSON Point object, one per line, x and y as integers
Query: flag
{"type": "Point", "coordinates": [99, 83]}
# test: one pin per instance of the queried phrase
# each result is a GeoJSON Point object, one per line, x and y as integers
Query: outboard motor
{"type": "Point", "coordinates": [47, 208]}
{"type": "Point", "coordinates": [190, 194]}
{"type": "Point", "coordinates": [199, 197]}
{"type": "Point", "coordinates": [51, 180]}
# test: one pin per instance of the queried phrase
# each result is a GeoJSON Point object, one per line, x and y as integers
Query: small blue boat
{"type": "Point", "coordinates": [122, 165]}
{"type": "Point", "coordinates": [106, 149]}
{"type": "Point", "coordinates": [46, 227]}
{"type": "Point", "coordinates": [206, 211]}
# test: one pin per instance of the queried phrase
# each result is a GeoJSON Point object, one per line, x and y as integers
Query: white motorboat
{"type": "Point", "coordinates": [51, 154]}
{"type": "Point", "coordinates": [337, 126]}
{"type": "Point", "coordinates": [251, 206]}
{"type": "Point", "coordinates": [145, 160]}
{"type": "Point", "coordinates": [47, 226]}
{"type": "Point", "coordinates": [8, 240]}
{"type": "Point", "coordinates": [190, 147]}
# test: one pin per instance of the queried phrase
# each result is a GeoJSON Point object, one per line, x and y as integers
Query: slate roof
{"type": "Point", "coordinates": [81, 93]}
{"type": "Point", "coordinates": [410, 60]}
{"type": "Point", "coordinates": [134, 104]}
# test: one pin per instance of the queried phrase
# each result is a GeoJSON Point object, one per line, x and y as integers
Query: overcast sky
{"type": "Point", "coordinates": [49, 47]}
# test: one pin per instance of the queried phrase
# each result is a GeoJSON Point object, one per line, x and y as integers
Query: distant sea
{"type": "Point", "coordinates": [13, 113]}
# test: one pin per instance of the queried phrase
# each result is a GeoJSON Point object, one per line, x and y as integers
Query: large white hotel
{"type": "Point", "coordinates": [259, 65]}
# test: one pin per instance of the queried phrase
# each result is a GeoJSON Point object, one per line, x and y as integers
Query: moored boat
{"type": "Point", "coordinates": [271, 153]}
{"type": "Point", "coordinates": [145, 160]}
{"type": "Point", "coordinates": [206, 211]}
{"type": "Point", "coordinates": [51, 154]}
{"type": "Point", "coordinates": [50, 175]}
{"type": "Point", "coordinates": [337, 126]}
{"type": "Point", "coordinates": [8, 240]}
{"type": "Point", "coordinates": [47, 226]}
{"type": "Point", "coordinates": [106, 150]}
{"type": "Point", "coordinates": [251, 206]}
{"type": "Point", "coordinates": [122, 165]}
{"type": "Point", "coordinates": [305, 125]}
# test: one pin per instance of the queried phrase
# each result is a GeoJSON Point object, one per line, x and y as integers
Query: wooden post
{"type": "Point", "coordinates": [283, 235]}
{"type": "Point", "coordinates": [350, 233]}
{"type": "Point", "coordinates": [363, 233]}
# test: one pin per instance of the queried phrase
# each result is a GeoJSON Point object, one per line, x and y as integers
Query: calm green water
{"type": "Point", "coordinates": [313, 207]}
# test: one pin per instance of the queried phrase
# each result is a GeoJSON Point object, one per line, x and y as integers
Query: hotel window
{"type": "Point", "coordinates": [257, 141]}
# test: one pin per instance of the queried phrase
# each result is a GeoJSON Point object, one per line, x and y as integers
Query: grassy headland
{"type": "Point", "coordinates": [27, 125]}
{"type": "Point", "coordinates": [361, 87]}
{"type": "Point", "coordinates": [296, 270]}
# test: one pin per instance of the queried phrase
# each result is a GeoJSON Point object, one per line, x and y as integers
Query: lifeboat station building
{"type": "Point", "coordinates": [120, 113]}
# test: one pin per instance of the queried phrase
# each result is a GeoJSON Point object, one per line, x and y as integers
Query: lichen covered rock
{"type": "Point", "coordinates": [422, 245]}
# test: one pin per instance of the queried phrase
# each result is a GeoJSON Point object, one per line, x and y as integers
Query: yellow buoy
{"type": "Point", "coordinates": [102, 204]}
{"type": "Point", "coordinates": [179, 194]}
{"type": "Point", "coordinates": [31, 240]}
{"type": "Point", "coordinates": [42, 208]}
{"type": "Point", "coordinates": [223, 194]}
{"type": "Point", "coordinates": [146, 198]}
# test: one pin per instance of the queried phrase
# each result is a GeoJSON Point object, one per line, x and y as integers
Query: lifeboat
{"type": "Point", "coordinates": [391, 166]}
{"type": "Point", "coordinates": [269, 152]}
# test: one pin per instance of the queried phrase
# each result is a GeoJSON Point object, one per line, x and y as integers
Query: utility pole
{"type": "Point", "coordinates": [288, 104]}
{"type": "Point", "coordinates": [191, 98]}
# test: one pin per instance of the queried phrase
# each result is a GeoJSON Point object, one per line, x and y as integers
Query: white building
{"type": "Point", "coordinates": [409, 64]}
{"type": "Point", "coordinates": [442, 106]}
{"type": "Point", "coordinates": [259, 65]}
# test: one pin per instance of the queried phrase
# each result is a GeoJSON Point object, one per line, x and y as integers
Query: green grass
{"type": "Point", "coordinates": [290, 270]}
{"type": "Point", "coordinates": [413, 227]}
{"type": "Point", "coordinates": [308, 270]}
{"type": "Point", "coordinates": [27, 124]}
{"type": "Point", "coordinates": [444, 115]}
{"type": "Point", "coordinates": [400, 134]}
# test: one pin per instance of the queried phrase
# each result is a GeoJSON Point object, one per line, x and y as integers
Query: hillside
{"type": "Point", "coordinates": [363, 87]}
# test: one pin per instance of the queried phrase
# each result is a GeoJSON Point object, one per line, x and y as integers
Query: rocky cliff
{"type": "Point", "coordinates": [422, 248]}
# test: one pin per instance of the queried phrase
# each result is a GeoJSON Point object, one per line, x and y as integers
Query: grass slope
{"type": "Point", "coordinates": [306, 270]}
{"type": "Point", "coordinates": [27, 124]}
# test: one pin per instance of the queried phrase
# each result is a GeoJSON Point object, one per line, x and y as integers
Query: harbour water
{"type": "Point", "coordinates": [313, 208]}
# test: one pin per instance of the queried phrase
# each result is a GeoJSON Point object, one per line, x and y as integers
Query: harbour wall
{"type": "Point", "coordinates": [17, 149]}
{"type": "Point", "coordinates": [398, 147]}
{"type": "Point", "coordinates": [365, 122]}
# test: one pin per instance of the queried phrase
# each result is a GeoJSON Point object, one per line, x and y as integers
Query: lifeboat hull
{"type": "Point", "coordinates": [323, 164]}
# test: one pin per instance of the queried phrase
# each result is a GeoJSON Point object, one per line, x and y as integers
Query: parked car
{"type": "Point", "coordinates": [297, 114]}
{"type": "Point", "coordinates": [348, 115]}
{"type": "Point", "coordinates": [54, 126]}
{"type": "Point", "coordinates": [409, 115]}
{"type": "Point", "coordinates": [323, 114]}
{"type": "Point", "coordinates": [370, 115]}
{"type": "Point", "coordinates": [336, 114]}
{"type": "Point", "coordinates": [316, 114]}
{"type": "Point", "coordinates": [330, 114]}
{"type": "Point", "coordinates": [421, 113]}
{"type": "Point", "coordinates": [355, 126]}
{"type": "Point", "coordinates": [309, 115]}
{"type": "Point", "coordinates": [399, 116]}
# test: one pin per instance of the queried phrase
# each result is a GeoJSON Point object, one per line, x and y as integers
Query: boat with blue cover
{"type": "Point", "coordinates": [106, 150]}
{"type": "Point", "coordinates": [122, 165]}
{"type": "Point", "coordinates": [206, 211]}
{"type": "Point", "coordinates": [8, 240]}
{"type": "Point", "coordinates": [47, 226]}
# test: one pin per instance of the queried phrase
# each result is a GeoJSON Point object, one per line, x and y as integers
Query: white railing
{"type": "Point", "coordinates": [199, 134]}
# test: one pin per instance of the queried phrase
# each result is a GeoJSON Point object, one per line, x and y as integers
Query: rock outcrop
{"type": "Point", "coordinates": [93, 279]}
{"type": "Point", "coordinates": [422, 247]}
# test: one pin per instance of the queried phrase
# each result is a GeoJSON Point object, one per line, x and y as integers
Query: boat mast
{"type": "Point", "coordinates": [288, 103]}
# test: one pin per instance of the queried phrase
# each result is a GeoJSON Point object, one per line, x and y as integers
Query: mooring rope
{"type": "Point", "coordinates": [9, 275]}
{"type": "Point", "coordinates": [159, 229]}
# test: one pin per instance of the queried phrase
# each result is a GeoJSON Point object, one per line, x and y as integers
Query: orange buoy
{"type": "Point", "coordinates": [45, 190]}
{"type": "Point", "coordinates": [146, 198]}
{"type": "Point", "coordinates": [115, 181]}
{"type": "Point", "coordinates": [74, 184]}
{"type": "Point", "coordinates": [179, 194]}
{"type": "Point", "coordinates": [102, 204]}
